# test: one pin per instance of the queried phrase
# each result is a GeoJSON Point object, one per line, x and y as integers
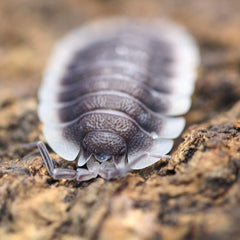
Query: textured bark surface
{"type": "Point", "coordinates": [195, 195]}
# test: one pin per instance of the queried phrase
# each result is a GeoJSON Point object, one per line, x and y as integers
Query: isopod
{"type": "Point", "coordinates": [111, 95]}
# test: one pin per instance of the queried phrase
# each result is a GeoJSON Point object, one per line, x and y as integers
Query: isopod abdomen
{"type": "Point", "coordinates": [111, 95]}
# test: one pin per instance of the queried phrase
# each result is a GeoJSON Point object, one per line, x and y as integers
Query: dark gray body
{"type": "Point", "coordinates": [115, 92]}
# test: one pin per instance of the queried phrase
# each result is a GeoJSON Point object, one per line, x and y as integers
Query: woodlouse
{"type": "Point", "coordinates": [110, 94]}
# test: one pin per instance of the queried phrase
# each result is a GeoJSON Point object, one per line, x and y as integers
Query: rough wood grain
{"type": "Point", "coordinates": [193, 196]}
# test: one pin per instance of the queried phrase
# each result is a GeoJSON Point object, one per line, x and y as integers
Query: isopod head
{"type": "Point", "coordinates": [103, 145]}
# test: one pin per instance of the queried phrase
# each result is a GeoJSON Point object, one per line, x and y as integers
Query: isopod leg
{"type": "Point", "coordinates": [46, 157]}
{"type": "Point", "coordinates": [56, 173]}
{"type": "Point", "coordinates": [85, 175]}
{"type": "Point", "coordinates": [61, 173]}
{"type": "Point", "coordinates": [110, 173]}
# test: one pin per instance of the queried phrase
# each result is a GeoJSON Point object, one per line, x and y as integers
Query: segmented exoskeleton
{"type": "Point", "coordinates": [111, 94]}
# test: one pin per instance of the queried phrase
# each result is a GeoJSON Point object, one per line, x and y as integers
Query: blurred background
{"type": "Point", "coordinates": [29, 29]}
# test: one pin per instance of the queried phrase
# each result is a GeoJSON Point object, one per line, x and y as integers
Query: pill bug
{"type": "Point", "coordinates": [111, 93]}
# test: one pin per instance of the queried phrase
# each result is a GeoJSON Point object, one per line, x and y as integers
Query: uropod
{"type": "Point", "coordinates": [112, 95]}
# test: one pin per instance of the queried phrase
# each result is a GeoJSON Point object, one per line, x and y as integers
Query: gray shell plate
{"type": "Point", "coordinates": [126, 77]}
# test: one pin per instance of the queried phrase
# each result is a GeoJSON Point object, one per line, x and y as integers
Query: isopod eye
{"type": "Point", "coordinates": [102, 157]}
{"type": "Point", "coordinates": [122, 151]}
